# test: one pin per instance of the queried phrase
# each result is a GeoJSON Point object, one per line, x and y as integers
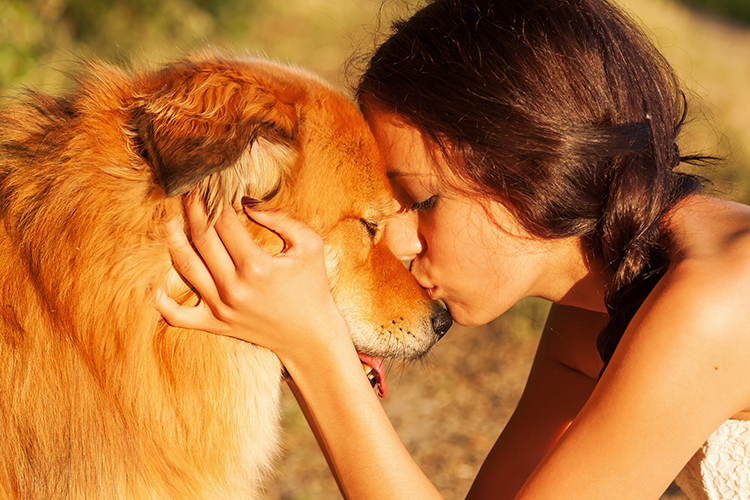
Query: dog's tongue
{"type": "Point", "coordinates": [376, 373]}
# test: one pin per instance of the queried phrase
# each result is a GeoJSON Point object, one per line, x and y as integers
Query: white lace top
{"type": "Point", "coordinates": [720, 469]}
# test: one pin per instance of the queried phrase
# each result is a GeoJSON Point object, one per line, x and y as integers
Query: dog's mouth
{"type": "Point", "coordinates": [375, 373]}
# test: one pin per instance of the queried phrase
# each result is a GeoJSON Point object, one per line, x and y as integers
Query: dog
{"type": "Point", "coordinates": [99, 397]}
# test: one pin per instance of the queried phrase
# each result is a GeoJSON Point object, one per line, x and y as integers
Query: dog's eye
{"type": "Point", "coordinates": [372, 227]}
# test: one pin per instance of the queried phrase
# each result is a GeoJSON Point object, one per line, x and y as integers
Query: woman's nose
{"type": "Point", "coordinates": [401, 235]}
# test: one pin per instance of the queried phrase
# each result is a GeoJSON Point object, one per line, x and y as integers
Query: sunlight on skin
{"type": "Point", "coordinates": [476, 258]}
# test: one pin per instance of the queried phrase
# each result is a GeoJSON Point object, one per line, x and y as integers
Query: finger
{"type": "Point", "coordinates": [167, 307]}
{"type": "Point", "coordinates": [295, 233]}
{"type": "Point", "coordinates": [243, 251]}
{"type": "Point", "coordinates": [207, 242]}
{"type": "Point", "coordinates": [187, 262]}
{"type": "Point", "coordinates": [198, 317]}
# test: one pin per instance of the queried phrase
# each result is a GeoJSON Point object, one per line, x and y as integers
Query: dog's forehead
{"type": "Point", "coordinates": [338, 146]}
{"type": "Point", "coordinates": [339, 153]}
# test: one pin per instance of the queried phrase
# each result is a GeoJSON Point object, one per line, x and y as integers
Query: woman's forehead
{"type": "Point", "coordinates": [402, 146]}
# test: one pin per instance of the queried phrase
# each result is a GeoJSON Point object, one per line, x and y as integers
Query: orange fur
{"type": "Point", "coordinates": [99, 398]}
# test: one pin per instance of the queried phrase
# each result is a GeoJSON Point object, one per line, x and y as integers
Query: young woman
{"type": "Point", "coordinates": [532, 146]}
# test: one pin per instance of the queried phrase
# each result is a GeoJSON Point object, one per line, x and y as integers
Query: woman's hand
{"type": "Point", "coordinates": [281, 302]}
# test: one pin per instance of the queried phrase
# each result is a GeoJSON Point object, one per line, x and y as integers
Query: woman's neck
{"type": "Point", "coordinates": [576, 280]}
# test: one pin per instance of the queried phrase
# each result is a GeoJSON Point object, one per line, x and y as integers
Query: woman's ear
{"type": "Point", "coordinates": [197, 119]}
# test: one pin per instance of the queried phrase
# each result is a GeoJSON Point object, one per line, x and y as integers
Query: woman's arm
{"type": "Point", "coordinates": [367, 456]}
{"type": "Point", "coordinates": [680, 370]}
{"type": "Point", "coordinates": [561, 380]}
{"type": "Point", "coordinates": [246, 294]}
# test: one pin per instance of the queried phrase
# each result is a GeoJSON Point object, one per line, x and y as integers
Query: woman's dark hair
{"type": "Point", "coordinates": [562, 110]}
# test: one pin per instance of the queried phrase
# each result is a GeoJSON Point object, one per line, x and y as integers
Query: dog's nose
{"type": "Point", "coordinates": [441, 321]}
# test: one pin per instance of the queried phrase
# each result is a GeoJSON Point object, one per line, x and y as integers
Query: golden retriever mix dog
{"type": "Point", "coordinates": [99, 398]}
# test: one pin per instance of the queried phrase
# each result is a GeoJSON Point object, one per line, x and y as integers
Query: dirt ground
{"type": "Point", "coordinates": [448, 409]}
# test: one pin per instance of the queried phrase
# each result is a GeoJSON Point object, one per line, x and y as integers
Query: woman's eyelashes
{"type": "Point", "coordinates": [423, 206]}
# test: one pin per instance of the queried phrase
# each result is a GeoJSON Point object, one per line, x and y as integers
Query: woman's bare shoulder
{"type": "Point", "coordinates": [710, 257]}
{"type": "Point", "coordinates": [709, 230]}
{"type": "Point", "coordinates": [702, 301]}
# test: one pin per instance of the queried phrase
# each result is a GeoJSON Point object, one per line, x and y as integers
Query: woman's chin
{"type": "Point", "coordinates": [471, 316]}
{"type": "Point", "coordinates": [467, 318]}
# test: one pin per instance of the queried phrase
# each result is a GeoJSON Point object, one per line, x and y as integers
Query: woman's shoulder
{"type": "Point", "coordinates": [697, 319]}
{"type": "Point", "coordinates": [708, 280]}
{"type": "Point", "coordinates": [712, 235]}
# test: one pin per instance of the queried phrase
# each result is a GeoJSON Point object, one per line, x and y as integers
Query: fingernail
{"type": "Point", "coordinates": [248, 202]}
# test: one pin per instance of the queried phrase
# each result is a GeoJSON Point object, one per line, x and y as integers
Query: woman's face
{"type": "Point", "coordinates": [473, 256]}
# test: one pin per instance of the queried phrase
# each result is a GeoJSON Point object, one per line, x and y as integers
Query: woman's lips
{"type": "Point", "coordinates": [433, 294]}
{"type": "Point", "coordinates": [427, 288]}
{"type": "Point", "coordinates": [430, 290]}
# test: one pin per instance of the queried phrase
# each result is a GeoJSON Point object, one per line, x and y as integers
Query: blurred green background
{"type": "Point", "coordinates": [449, 408]}
{"type": "Point", "coordinates": [40, 38]}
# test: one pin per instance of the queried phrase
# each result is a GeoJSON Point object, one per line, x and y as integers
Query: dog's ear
{"type": "Point", "coordinates": [200, 120]}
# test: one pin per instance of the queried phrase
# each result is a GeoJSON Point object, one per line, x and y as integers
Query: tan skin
{"type": "Point", "coordinates": [681, 369]}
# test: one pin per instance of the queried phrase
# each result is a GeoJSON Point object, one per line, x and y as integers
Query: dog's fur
{"type": "Point", "coordinates": [99, 398]}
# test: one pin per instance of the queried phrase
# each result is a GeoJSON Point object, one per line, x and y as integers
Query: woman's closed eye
{"type": "Point", "coordinates": [423, 206]}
